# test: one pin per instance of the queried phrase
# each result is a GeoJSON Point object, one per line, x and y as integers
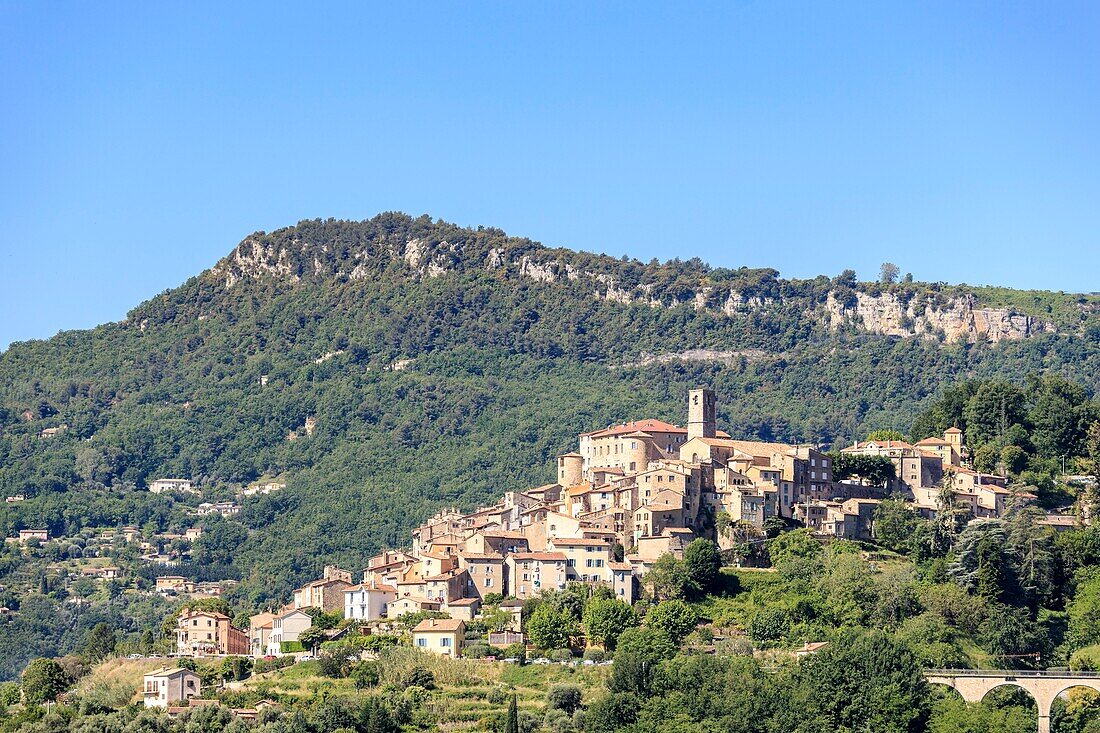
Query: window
{"type": "Point", "coordinates": [445, 641]}
{"type": "Point", "coordinates": [421, 641]}
{"type": "Point", "coordinates": [488, 582]}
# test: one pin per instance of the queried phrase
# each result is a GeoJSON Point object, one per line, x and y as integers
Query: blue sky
{"type": "Point", "coordinates": [140, 142]}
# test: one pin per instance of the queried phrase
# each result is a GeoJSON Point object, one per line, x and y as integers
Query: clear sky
{"type": "Point", "coordinates": [140, 142]}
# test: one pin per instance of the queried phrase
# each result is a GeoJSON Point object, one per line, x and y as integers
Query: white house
{"type": "Point", "coordinates": [368, 602]}
{"type": "Point", "coordinates": [286, 627]}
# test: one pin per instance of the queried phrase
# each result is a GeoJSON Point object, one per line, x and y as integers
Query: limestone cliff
{"type": "Point", "coordinates": [403, 249]}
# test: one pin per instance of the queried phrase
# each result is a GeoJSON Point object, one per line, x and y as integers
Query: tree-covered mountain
{"type": "Point", "coordinates": [443, 365]}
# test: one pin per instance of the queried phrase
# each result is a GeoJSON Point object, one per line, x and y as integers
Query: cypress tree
{"type": "Point", "coordinates": [511, 723]}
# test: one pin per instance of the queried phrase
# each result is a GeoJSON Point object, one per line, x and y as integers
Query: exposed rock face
{"type": "Point", "coordinates": [889, 315]}
{"type": "Point", "coordinates": [255, 258]}
{"type": "Point", "coordinates": [886, 313]}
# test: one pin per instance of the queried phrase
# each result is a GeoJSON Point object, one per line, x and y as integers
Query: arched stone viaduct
{"type": "Point", "coordinates": [1044, 686]}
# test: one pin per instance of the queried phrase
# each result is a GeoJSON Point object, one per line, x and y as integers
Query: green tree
{"type": "Point", "coordinates": [612, 712]}
{"type": "Point", "coordinates": [792, 550]}
{"type": "Point", "coordinates": [674, 617]}
{"type": "Point", "coordinates": [549, 627]}
{"type": "Point", "coordinates": [702, 565]}
{"type": "Point", "coordinates": [668, 578]}
{"type": "Point", "coordinates": [888, 273]}
{"type": "Point", "coordinates": [636, 657]}
{"type": "Point", "coordinates": [43, 680]}
{"type": "Point", "coordinates": [564, 697]}
{"type": "Point", "coordinates": [1031, 546]}
{"type": "Point", "coordinates": [994, 408]}
{"type": "Point", "coordinates": [895, 524]}
{"type": "Point", "coordinates": [887, 434]}
{"type": "Point", "coordinates": [862, 681]}
{"type": "Point", "coordinates": [1084, 611]}
{"type": "Point", "coordinates": [100, 643]}
{"type": "Point", "coordinates": [606, 619]}
{"type": "Point", "coordinates": [375, 717]}
{"type": "Point", "coordinates": [511, 720]}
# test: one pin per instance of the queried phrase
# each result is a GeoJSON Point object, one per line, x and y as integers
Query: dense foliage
{"type": "Point", "coordinates": [433, 387]}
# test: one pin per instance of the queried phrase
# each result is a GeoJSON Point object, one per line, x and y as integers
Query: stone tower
{"type": "Point", "coordinates": [701, 404]}
{"type": "Point", "coordinates": [570, 469]}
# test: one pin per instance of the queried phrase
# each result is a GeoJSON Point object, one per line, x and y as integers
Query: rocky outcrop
{"type": "Point", "coordinates": [887, 312]}
{"type": "Point", "coordinates": [959, 317]}
{"type": "Point", "coordinates": [255, 258]}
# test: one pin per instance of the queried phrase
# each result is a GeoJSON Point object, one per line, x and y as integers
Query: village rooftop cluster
{"type": "Point", "coordinates": [629, 494]}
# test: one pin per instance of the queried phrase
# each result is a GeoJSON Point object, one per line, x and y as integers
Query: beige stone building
{"type": "Point", "coordinates": [586, 560]}
{"type": "Point", "coordinates": [444, 636]}
{"type": "Point", "coordinates": [259, 633]}
{"type": "Point", "coordinates": [484, 572]}
{"type": "Point", "coordinates": [327, 593]}
{"type": "Point", "coordinates": [530, 573]}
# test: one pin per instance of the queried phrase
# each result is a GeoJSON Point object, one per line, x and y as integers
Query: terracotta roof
{"type": "Point", "coordinates": [620, 566]}
{"type": "Point", "coordinates": [953, 431]}
{"type": "Point", "coordinates": [541, 556]}
{"type": "Point", "coordinates": [167, 671]}
{"type": "Point", "coordinates": [579, 541]}
{"type": "Point", "coordinates": [476, 556]}
{"type": "Point", "coordinates": [578, 489]}
{"type": "Point", "coordinates": [368, 586]}
{"type": "Point", "coordinates": [419, 600]}
{"type": "Point", "coordinates": [464, 602]}
{"type": "Point", "coordinates": [649, 426]}
{"type": "Point", "coordinates": [503, 534]}
{"type": "Point", "coordinates": [444, 576]}
{"type": "Point", "coordinates": [439, 624]}
{"type": "Point", "coordinates": [887, 444]}
{"type": "Point", "coordinates": [932, 441]}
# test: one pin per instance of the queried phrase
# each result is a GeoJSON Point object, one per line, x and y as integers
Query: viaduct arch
{"type": "Point", "coordinates": [1044, 686]}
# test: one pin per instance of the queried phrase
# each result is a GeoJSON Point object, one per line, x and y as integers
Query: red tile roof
{"type": "Point", "coordinates": [647, 426]}
{"type": "Point", "coordinates": [541, 556]}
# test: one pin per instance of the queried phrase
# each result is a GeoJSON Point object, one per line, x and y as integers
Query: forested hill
{"type": "Point", "coordinates": [445, 365]}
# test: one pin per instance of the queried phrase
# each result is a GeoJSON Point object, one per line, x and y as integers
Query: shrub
{"type": "Point", "coordinates": [595, 655]}
{"type": "Point", "coordinates": [419, 677]}
{"type": "Point", "coordinates": [561, 655]}
{"type": "Point", "coordinates": [516, 651]}
{"type": "Point", "coordinates": [365, 674]}
{"type": "Point", "coordinates": [769, 625]}
{"type": "Point", "coordinates": [267, 665]}
{"type": "Point", "coordinates": [564, 697]}
{"type": "Point", "coordinates": [477, 650]}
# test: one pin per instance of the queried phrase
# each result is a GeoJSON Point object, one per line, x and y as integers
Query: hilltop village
{"type": "Point", "coordinates": [629, 495]}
